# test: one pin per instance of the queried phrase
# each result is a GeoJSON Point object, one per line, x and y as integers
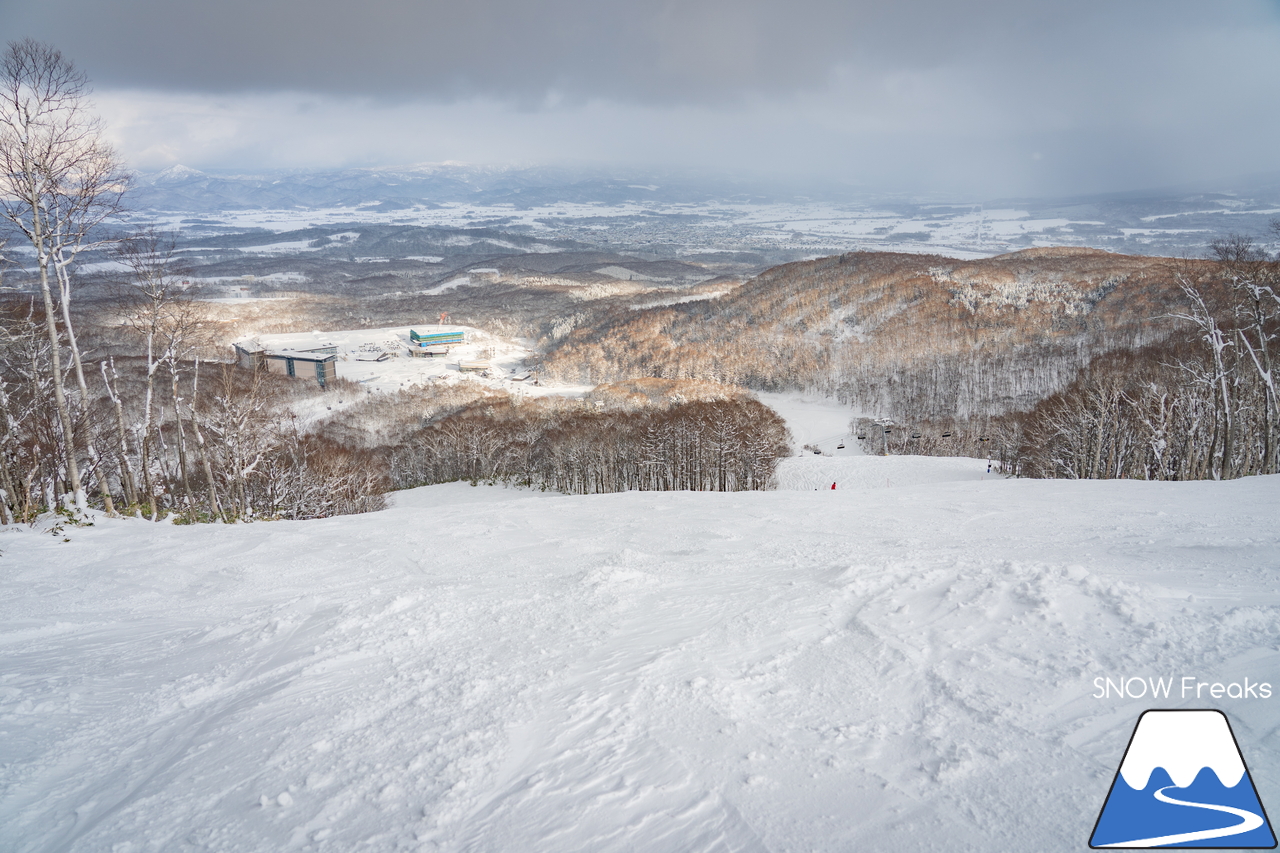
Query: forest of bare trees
{"type": "Point", "coordinates": [58, 182]}
{"type": "Point", "coordinates": [731, 444]}
{"type": "Point", "coordinates": [160, 435]}
{"type": "Point", "coordinates": [1201, 405]}
{"type": "Point", "coordinates": [154, 434]}
{"type": "Point", "coordinates": [906, 336]}
{"type": "Point", "coordinates": [164, 434]}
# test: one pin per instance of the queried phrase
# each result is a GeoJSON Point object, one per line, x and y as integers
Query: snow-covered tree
{"type": "Point", "coordinates": [59, 181]}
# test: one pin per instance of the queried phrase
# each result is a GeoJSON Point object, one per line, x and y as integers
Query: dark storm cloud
{"type": "Point", "coordinates": [673, 50]}
{"type": "Point", "coordinates": [1000, 96]}
{"type": "Point", "coordinates": [579, 47]}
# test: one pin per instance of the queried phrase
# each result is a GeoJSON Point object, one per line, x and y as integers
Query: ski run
{"type": "Point", "coordinates": [904, 663]}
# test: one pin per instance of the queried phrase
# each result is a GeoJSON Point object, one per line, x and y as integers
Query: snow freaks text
{"type": "Point", "coordinates": [1186, 687]}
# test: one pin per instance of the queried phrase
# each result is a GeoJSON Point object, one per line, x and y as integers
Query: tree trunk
{"type": "Point", "coordinates": [59, 393]}
{"type": "Point", "coordinates": [126, 470]}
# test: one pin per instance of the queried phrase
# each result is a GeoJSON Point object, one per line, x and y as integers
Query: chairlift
{"type": "Point", "coordinates": [862, 435]}
{"type": "Point", "coordinates": [817, 452]}
{"type": "Point", "coordinates": [840, 446]}
{"type": "Point", "coordinates": [887, 430]}
{"type": "Point", "coordinates": [915, 435]}
{"type": "Point", "coordinates": [946, 435]}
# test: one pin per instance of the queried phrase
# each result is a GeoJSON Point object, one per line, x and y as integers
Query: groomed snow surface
{"type": "Point", "coordinates": [905, 665]}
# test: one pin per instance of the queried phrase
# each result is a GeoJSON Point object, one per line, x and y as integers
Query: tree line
{"type": "Point", "coordinates": [702, 445]}
{"type": "Point", "coordinates": [163, 436]}
{"type": "Point", "coordinates": [906, 336]}
{"type": "Point", "coordinates": [1202, 403]}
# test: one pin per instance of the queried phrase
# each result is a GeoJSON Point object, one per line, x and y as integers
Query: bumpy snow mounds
{"type": "Point", "coordinates": [485, 669]}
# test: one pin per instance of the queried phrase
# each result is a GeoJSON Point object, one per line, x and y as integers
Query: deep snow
{"type": "Point", "coordinates": [887, 666]}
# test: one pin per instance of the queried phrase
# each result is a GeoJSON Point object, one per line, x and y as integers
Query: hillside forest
{"type": "Point", "coordinates": [1060, 362]}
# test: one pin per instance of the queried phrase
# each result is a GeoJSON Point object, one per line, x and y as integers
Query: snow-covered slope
{"type": "Point", "coordinates": [484, 669]}
{"type": "Point", "coordinates": [815, 421]}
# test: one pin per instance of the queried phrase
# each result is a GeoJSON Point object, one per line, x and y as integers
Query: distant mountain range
{"type": "Point", "coordinates": [180, 188]}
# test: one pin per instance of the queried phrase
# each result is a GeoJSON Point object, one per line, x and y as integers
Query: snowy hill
{"type": "Point", "coordinates": [895, 667]}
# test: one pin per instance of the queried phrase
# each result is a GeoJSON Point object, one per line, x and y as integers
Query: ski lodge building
{"type": "Point", "coordinates": [435, 345]}
{"type": "Point", "coordinates": [319, 363]}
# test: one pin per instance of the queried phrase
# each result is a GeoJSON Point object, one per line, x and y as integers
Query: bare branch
{"type": "Point", "coordinates": [59, 181]}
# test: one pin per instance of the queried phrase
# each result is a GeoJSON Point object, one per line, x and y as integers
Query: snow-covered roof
{"type": "Point", "coordinates": [301, 355]}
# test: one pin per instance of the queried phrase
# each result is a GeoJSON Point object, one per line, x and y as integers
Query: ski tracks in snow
{"type": "Point", "coordinates": [483, 670]}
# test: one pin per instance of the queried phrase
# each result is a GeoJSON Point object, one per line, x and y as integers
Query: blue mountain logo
{"type": "Point", "coordinates": [1183, 783]}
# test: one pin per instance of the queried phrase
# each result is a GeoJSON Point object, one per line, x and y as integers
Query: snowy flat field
{"type": "Point", "coordinates": [904, 666]}
{"type": "Point", "coordinates": [967, 232]}
{"type": "Point", "coordinates": [359, 349]}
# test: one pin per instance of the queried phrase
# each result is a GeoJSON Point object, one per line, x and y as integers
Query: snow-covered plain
{"type": "Point", "coordinates": [967, 232]}
{"type": "Point", "coordinates": [884, 667]}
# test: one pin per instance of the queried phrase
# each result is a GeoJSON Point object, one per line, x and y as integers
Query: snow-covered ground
{"type": "Point", "coordinates": [965, 231]}
{"type": "Point", "coordinates": [358, 351]}
{"type": "Point", "coordinates": [815, 421]}
{"type": "Point", "coordinates": [485, 669]}
{"type": "Point", "coordinates": [806, 473]}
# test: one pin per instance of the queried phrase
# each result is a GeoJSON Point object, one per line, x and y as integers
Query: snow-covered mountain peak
{"type": "Point", "coordinates": [1183, 743]}
{"type": "Point", "coordinates": [176, 172]}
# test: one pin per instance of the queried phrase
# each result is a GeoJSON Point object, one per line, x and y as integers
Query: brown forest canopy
{"type": "Point", "coordinates": [909, 335]}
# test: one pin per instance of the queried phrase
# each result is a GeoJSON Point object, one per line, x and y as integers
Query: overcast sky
{"type": "Point", "coordinates": [998, 97]}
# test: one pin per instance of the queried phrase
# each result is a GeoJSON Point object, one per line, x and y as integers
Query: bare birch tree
{"type": "Point", "coordinates": [1255, 278]}
{"type": "Point", "coordinates": [1216, 375]}
{"type": "Point", "coordinates": [58, 182]}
